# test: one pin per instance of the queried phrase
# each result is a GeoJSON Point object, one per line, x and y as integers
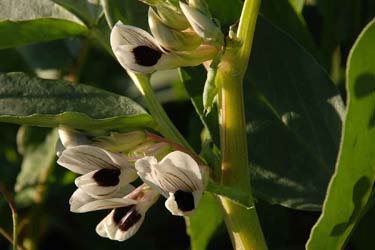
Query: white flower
{"type": "Point", "coordinates": [177, 177]}
{"type": "Point", "coordinates": [103, 172]}
{"type": "Point", "coordinates": [127, 215]}
{"type": "Point", "coordinates": [139, 52]}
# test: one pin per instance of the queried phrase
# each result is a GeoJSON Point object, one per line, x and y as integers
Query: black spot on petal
{"type": "Point", "coordinates": [120, 213]}
{"type": "Point", "coordinates": [107, 177]}
{"type": "Point", "coordinates": [185, 200]}
{"type": "Point", "coordinates": [146, 56]}
{"type": "Point", "coordinates": [130, 221]}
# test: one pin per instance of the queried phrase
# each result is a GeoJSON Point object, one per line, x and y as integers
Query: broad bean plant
{"type": "Point", "coordinates": [249, 123]}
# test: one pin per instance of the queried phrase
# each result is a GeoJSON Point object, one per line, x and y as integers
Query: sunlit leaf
{"type": "Point", "coordinates": [29, 21]}
{"type": "Point", "coordinates": [204, 222]}
{"type": "Point", "coordinates": [49, 103]}
{"type": "Point", "coordinates": [355, 171]}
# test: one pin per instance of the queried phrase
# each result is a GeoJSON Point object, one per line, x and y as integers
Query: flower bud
{"type": "Point", "coordinates": [200, 5]}
{"type": "Point", "coordinates": [172, 17]}
{"type": "Point", "coordinates": [170, 38]}
{"type": "Point", "coordinates": [195, 57]}
{"type": "Point", "coordinates": [120, 142]}
{"type": "Point", "coordinates": [202, 24]}
{"type": "Point", "coordinates": [158, 150]}
{"type": "Point", "coordinates": [70, 137]}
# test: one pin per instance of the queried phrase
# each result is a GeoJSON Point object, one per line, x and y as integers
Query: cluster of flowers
{"type": "Point", "coordinates": [109, 164]}
{"type": "Point", "coordinates": [182, 35]}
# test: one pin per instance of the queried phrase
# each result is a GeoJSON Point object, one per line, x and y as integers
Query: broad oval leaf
{"type": "Point", "coordinates": [30, 21]}
{"type": "Point", "coordinates": [49, 103]}
{"type": "Point", "coordinates": [355, 171]}
{"type": "Point", "coordinates": [18, 33]}
{"type": "Point", "coordinates": [294, 115]}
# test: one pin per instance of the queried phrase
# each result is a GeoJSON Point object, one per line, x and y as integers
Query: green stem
{"type": "Point", "coordinates": [243, 224]}
{"type": "Point", "coordinates": [166, 126]}
{"type": "Point", "coordinates": [12, 207]}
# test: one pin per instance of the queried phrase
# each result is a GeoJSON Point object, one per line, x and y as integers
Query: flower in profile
{"type": "Point", "coordinates": [139, 52]}
{"type": "Point", "coordinates": [103, 172]}
{"type": "Point", "coordinates": [177, 177]}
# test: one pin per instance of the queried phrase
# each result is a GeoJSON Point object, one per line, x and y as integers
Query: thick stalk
{"type": "Point", "coordinates": [165, 125]}
{"type": "Point", "coordinates": [243, 224]}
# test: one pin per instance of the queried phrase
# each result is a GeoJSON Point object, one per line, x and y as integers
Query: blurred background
{"type": "Point", "coordinates": [41, 189]}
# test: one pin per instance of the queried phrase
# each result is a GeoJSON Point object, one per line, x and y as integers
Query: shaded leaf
{"type": "Point", "coordinates": [49, 103]}
{"type": "Point", "coordinates": [233, 194]}
{"type": "Point", "coordinates": [126, 11]}
{"type": "Point", "coordinates": [352, 184]}
{"type": "Point", "coordinates": [204, 222]}
{"type": "Point", "coordinates": [227, 12]}
{"type": "Point", "coordinates": [293, 120]}
{"type": "Point", "coordinates": [86, 10]}
{"type": "Point", "coordinates": [38, 148]}
{"type": "Point", "coordinates": [283, 14]}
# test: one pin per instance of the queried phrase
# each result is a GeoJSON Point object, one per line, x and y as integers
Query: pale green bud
{"type": "Point", "coordinates": [200, 5]}
{"type": "Point", "coordinates": [120, 142]}
{"type": "Point", "coordinates": [158, 150]}
{"type": "Point", "coordinates": [170, 38]}
{"type": "Point", "coordinates": [195, 57]}
{"type": "Point", "coordinates": [172, 17]}
{"type": "Point", "coordinates": [71, 137]}
{"type": "Point", "coordinates": [202, 24]}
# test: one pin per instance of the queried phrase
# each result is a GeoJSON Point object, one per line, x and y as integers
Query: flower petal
{"type": "Point", "coordinates": [84, 159]}
{"type": "Point", "coordinates": [81, 202]}
{"type": "Point", "coordinates": [177, 177]}
{"type": "Point", "coordinates": [121, 224]}
{"type": "Point", "coordinates": [105, 182]}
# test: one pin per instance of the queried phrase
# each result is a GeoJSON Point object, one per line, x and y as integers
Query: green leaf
{"type": "Point", "coordinates": [227, 12]}
{"type": "Point", "coordinates": [17, 10]}
{"type": "Point", "coordinates": [126, 11]}
{"type": "Point", "coordinates": [49, 103]}
{"type": "Point", "coordinates": [30, 21]}
{"type": "Point", "coordinates": [294, 115]}
{"type": "Point", "coordinates": [233, 194]}
{"type": "Point", "coordinates": [283, 14]}
{"type": "Point", "coordinates": [18, 33]}
{"type": "Point", "coordinates": [352, 184]}
{"type": "Point", "coordinates": [204, 222]}
{"type": "Point", "coordinates": [88, 11]}
{"type": "Point", "coordinates": [38, 148]}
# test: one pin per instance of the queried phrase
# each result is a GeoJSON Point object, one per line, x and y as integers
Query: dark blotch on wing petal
{"type": "Point", "coordinates": [107, 177]}
{"type": "Point", "coordinates": [120, 213]}
{"type": "Point", "coordinates": [185, 200]}
{"type": "Point", "coordinates": [130, 221]}
{"type": "Point", "coordinates": [146, 56]}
